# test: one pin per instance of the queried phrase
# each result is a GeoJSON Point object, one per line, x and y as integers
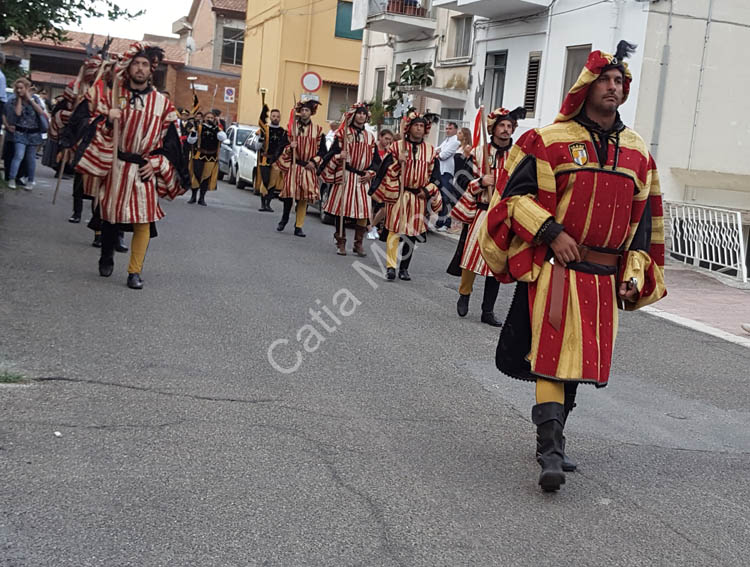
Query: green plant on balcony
{"type": "Point", "coordinates": [413, 76]}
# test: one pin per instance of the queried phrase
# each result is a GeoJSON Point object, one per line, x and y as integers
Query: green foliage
{"type": "Point", "coordinates": [13, 72]}
{"type": "Point", "coordinates": [48, 19]}
{"type": "Point", "coordinates": [377, 113]}
{"type": "Point", "coordinates": [11, 378]}
{"type": "Point", "coordinates": [413, 76]}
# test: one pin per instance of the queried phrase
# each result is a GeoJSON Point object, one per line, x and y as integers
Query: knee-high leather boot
{"type": "Point", "coordinates": [107, 256]}
{"type": "Point", "coordinates": [193, 196]}
{"type": "Point", "coordinates": [202, 198]}
{"type": "Point", "coordinates": [359, 235]}
{"type": "Point", "coordinates": [571, 388]}
{"type": "Point", "coordinates": [340, 237]}
{"type": "Point", "coordinates": [549, 419]}
{"type": "Point", "coordinates": [285, 214]}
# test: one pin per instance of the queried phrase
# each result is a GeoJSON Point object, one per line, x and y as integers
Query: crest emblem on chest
{"type": "Point", "coordinates": [579, 154]}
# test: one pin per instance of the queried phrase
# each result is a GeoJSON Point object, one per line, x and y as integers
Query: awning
{"type": "Point", "coordinates": [51, 78]}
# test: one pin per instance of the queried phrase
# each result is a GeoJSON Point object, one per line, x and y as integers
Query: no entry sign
{"type": "Point", "coordinates": [311, 81]}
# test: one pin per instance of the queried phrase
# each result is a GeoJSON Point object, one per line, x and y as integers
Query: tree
{"type": "Point", "coordinates": [413, 76]}
{"type": "Point", "coordinates": [48, 19]}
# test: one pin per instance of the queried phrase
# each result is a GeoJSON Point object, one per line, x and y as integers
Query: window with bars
{"type": "Point", "coordinates": [532, 83]}
{"type": "Point", "coordinates": [233, 44]}
{"type": "Point", "coordinates": [461, 35]}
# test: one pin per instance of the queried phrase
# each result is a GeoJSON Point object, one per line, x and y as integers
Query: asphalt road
{"type": "Point", "coordinates": [395, 442]}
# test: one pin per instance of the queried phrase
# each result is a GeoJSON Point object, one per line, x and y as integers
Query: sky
{"type": "Point", "coordinates": [157, 20]}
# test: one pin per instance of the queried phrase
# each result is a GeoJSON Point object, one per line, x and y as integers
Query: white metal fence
{"type": "Point", "coordinates": [707, 237]}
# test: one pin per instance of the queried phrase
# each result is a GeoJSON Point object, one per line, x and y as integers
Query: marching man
{"type": "Point", "coordinates": [410, 181]}
{"type": "Point", "coordinates": [140, 123]}
{"type": "Point", "coordinates": [348, 166]}
{"type": "Point", "coordinates": [204, 161]}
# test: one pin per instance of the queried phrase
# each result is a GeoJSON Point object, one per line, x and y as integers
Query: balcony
{"type": "Point", "coordinates": [494, 9]}
{"type": "Point", "coordinates": [407, 19]}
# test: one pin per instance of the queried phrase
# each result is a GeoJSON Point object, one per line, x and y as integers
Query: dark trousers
{"type": "Point", "coordinates": [109, 239]}
{"type": "Point", "coordinates": [450, 197]}
{"type": "Point", "coordinates": [78, 194]}
{"type": "Point", "coordinates": [491, 288]}
{"type": "Point", "coordinates": [407, 251]}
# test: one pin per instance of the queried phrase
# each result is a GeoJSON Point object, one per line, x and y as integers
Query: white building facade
{"type": "Point", "coordinates": [689, 97]}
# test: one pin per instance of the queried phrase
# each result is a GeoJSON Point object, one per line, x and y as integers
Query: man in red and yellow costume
{"type": "Point", "coordinates": [578, 224]}
{"type": "Point", "coordinates": [410, 182]}
{"type": "Point", "coordinates": [149, 157]}
{"type": "Point", "coordinates": [299, 163]}
{"type": "Point", "coordinates": [351, 181]}
{"type": "Point", "coordinates": [471, 210]}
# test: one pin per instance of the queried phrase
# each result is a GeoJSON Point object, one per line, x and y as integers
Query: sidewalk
{"type": "Point", "coordinates": [698, 301]}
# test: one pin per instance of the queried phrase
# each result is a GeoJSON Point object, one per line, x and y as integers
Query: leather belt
{"type": "Point", "coordinates": [355, 170]}
{"type": "Point", "coordinates": [413, 190]}
{"type": "Point", "coordinates": [483, 206]}
{"type": "Point", "coordinates": [131, 158]}
{"type": "Point", "coordinates": [560, 272]}
{"type": "Point", "coordinates": [301, 162]}
{"type": "Point", "coordinates": [22, 130]}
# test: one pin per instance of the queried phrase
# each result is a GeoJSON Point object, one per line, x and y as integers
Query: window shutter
{"type": "Point", "coordinates": [532, 83]}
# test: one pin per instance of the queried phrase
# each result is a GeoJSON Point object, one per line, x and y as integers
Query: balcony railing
{"type": "Point", "coordinates": [401, 7]}
{"type": "Point", "coordinates": [402, 18]}
{"type": "Point", "coordinates": [708, 238]}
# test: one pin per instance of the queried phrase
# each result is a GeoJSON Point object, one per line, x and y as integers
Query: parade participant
{"type": "Point", "coordinates": [270, 149]}
{"type": "Point", "coordinates": [204, 160]}
{"type": "Point", "coordinates": [148, 163]}
{"type": "Point", "coordinates": [579, 226]}
{"type": "Point", "coordinates": [471, 210]}
{"type": "Point", "coordinates": [299, 162]}
{"type": "Point", "coordinates": [348, 166]}
{"type": "Point", "coordinates": [410, 181]}
{"type": "Point", "coordinates": [381, 159]}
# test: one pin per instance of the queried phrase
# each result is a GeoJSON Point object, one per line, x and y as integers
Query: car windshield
{"type": "Point", "coordinates": [242, 136]}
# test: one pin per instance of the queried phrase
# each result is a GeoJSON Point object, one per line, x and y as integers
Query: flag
{"type": "Point", "coordinates": [477, 129]}
{"type": "Point", "coordinates": [196, 105]}
{"type": "Point", "coordinates": [290, 125]}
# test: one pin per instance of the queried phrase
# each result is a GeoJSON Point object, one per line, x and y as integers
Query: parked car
{"type": "Point", "coordinates": [229, 149]}
{"type": "Point", "coordinates": [247, 162]}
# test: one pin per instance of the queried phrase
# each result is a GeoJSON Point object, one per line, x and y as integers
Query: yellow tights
{"type": "Point", "coordinates": [549, 391]}
{"type": "Point", "coordinates": [467, 282]}
{"type": "Point", "coordinates": [391, 250]}
{"type": "Point", "coordinates": [300, 213]}
{"type": "Point", "coordinates": [138, 246]}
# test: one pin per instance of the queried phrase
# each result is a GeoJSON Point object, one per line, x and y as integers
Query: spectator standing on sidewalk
{"type": "Point", "coordinates": [27, 120]}
{"type": "Point", "coordinates": [446, 151]}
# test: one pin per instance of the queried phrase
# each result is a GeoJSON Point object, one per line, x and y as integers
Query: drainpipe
{"type": "Point", "coordinates": [663, 68]}
{"type": "Point", "coordinates": [617, 9]}
{"type": "Point", "coordinates": [706, 39]}
{"type": "Point", "coordinates": [363, 64]}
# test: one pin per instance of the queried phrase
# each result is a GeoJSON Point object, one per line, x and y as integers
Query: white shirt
{"type": "Point", "coordinates": [446, 152]}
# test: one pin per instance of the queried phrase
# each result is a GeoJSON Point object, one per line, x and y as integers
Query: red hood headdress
{"type": "Point", "coordinates": [349, 114]}
{"type": "Point", "coordinates": [597, 63]}
{"type": "Point", "coordinates": [139, 49]}
{"type": "Point", "coordinates": [413, 117]}
{"type": "Point", "coordinates": [518, 113]}
{"type": "Point", "coordinates": [309, 103]}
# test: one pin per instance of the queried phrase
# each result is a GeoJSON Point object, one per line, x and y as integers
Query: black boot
{"type": "Point", "coordinates": [97, 243]}
{"type": "Point", "coordinates": [202, 198]}
{"type": "Point", "coordinates": [285, 214]}
{"type": "Point", "coordinates": [75, 218]}
{"type": "Point", "coordinates": [403, 274]}
{"type": "Point", "coordinates": [571, 388]}
{"type": "Point", "coordinates": [407, 251]}
{"type": "Point", "coordinates": [462, 306]}
{"type": "Point", "coordinates": [549, 419]}
{"type": "Point", "coordinates": [134, 281]}
{"type": "Point", "coordinates": [107, 256]}
{"type": "Point", "coordinates": [193, 196]}
{"type": "Point", "coordinates": [488, 317]}
{"type": "Point", "coordinates": [263, 203]}
{"type": "Point", "coordinates": [390, 274]}
{"type": "Point", "coordinates": [298, 232]}
{"type": "Point", "coordinates": [120, 245]}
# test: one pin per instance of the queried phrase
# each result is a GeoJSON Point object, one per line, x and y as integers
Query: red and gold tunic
{"type": "Point", "coordinates": [300, 182]}
{"type": "Point", "coordinates": [553, 173]}
{"type": "Point", "coordinates": [350, 200]}
{"type": "Point", "coordinates": [405, 207]}
{"type": "Point", "coordinates": [146, 118]}
{"type": "Point", "coordinates": [472, 208]}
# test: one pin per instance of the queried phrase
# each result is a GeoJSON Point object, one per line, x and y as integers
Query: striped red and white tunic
{"type": "Point", "coordinates": [146, 118]}
{"type": "Point", "coordinates": [299, 182]}
{"type": "Point", "coordinates": [471, 209]}
{"type": "Point", "coordinates": [350, 200]}
{"type": "Point", "coordinates": [406, 205]}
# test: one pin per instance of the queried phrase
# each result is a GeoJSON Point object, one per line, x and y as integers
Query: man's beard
{"type": "Point", "coordinates": [138, 82]}
{"type": "Point", "coordinates": [275, 122]}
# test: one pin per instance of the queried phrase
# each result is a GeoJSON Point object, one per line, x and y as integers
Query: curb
{"type": "Point", "coordinates": [697, 326]}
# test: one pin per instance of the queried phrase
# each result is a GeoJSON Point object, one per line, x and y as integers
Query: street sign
{"type": "Point", "coordinates": [229, 94]}
{"type": "Point", "coordinates": [311, 81]}
{"type": "Point", "coordinates": [199, 87]}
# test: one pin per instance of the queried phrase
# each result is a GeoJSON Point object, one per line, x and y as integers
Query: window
{"type": "Point", "coordinates": [494, 79]}
{"type": "Point", "coordinates": [532, 83]}
{"type": "Point", "coordinates": [233, 44]}
{"type": "Point", "coordinates": [379, 84]}
{"type": "Point", "coordinates": [242, 135]}
{"type": "Point", "coordinates": [461, 36]}
{"type": "Point", "coordinates": [575, 59]}
{"type": "Point", "coordinates": [344, 22]}
{"type": "Point", "coordinates": [340, 99]}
